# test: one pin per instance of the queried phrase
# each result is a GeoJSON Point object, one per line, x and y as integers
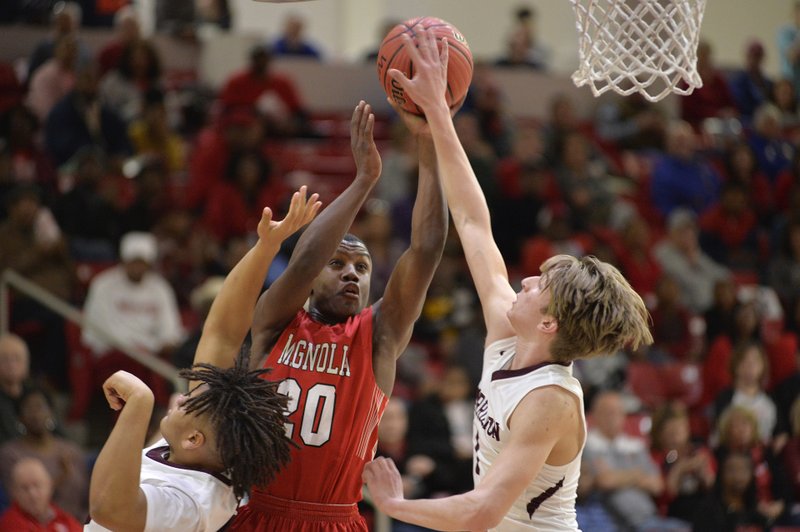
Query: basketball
{"type": "Point", "coordinates": [392, 55]}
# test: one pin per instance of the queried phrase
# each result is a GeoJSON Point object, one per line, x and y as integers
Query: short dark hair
{"type": "Point", "coordinates": [247, 413]}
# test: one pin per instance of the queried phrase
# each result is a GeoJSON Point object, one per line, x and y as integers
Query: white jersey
{"type": "Point", "coordinates": [180, 499]}
{"type": "Point", "coordinates": [548, 503]}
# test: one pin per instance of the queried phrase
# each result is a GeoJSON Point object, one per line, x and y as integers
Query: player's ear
{"type": "Point", "coordinates": [548, 325]}
{"type": "Point", "coordinates": [194, 440]}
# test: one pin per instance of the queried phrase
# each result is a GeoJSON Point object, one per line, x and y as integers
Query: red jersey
{"type": "Point", "coordinates": [335, 406]}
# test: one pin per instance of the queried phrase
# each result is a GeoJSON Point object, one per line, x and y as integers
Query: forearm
{"type": "Point", "coordinates": [324, 234]}
{"type": "Point", "coordinates": [429, 217]}
{"type": "Point", "coordinates": [458, 512]}
{"type": "Point", "coordinates": [115, 478]}
{"type": "Point", "coordinates": [232, 311]}
{"type": "Point", "coordinates": [461, 188]}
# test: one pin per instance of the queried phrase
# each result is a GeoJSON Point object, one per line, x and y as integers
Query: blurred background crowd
{"type": "Point", "coordinates": [129, 191]}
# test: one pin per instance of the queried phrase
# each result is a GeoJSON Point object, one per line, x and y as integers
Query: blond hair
{"type": "Point", "coordinates": [596, 309]}
{"type": "Point", "coordinates": [726, 419]}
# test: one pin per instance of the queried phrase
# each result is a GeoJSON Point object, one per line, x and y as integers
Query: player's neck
{"type": "Point", "coordinates": [531, 352]}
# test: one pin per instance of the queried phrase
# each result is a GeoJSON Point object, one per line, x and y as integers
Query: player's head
{"type": "Point", "coordinates": [341, 289]}
{"type": "Point", "coordinates": [232, 422]}
{"type": "Point", "coordinates": [593, 308]}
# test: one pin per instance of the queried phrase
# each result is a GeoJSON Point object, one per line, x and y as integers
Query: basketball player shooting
{"type": "Point", "coordinates": [529, 426]}
{"type": "Point", "coordinates": [334, 353]}
{"type": "Point", "coordinates": [211, 452]}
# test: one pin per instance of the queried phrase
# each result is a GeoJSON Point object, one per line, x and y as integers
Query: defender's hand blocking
{"type": "Point", "coordinates": [120, 387]}
{"type": "Point", "coordinates": [365, 153]}
{"type": "Point", "coordinates": [301, 211]}
{"type": "Point", "coordinates": [429, 85]}
{"type": "Point", "coordinates": [383, 480]}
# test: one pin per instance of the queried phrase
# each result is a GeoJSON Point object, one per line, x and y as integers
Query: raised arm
{"type": "Point", "coordinates": [286, 296]}
{"type": "Point", "coordinates": [539, 421]}
{"type": "Point", "coordinates": [232, 311]}
{"type": "Point", "coordinates": [115, 499]}
{"type": "Point", "coordinates": [462, 191]}
{"type": "Point", "coordinates": [408, 284]}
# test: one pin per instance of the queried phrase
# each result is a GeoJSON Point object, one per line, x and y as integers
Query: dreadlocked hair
{"type": "Point", "coordinates": [247, 414]}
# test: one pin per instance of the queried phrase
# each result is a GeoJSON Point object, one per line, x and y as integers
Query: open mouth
{"type": "Point", "coordinates": [351, 292]}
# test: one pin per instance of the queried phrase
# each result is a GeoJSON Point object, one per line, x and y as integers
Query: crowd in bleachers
{"type": "Point", "coordinates": [128, 195]}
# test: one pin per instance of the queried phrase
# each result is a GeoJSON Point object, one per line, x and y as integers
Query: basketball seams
{"type": "Point", "coordinates": [459, 71]}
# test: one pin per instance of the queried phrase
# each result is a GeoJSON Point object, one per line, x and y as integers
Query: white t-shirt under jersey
{"type": "Point", "coordinates": [180, 499]}
{"type": "Point", "coordinates": [548, 503]}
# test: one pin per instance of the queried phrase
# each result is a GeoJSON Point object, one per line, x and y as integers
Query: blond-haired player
{"type": "Point", "coordinates": [529, 426]}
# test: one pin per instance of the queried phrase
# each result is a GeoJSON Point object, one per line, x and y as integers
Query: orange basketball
{"type": "Point", "coordinates": [392, 55]}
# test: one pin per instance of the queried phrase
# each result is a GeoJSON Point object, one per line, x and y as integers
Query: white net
{"type": "Point", "coordinates": [646, 46]}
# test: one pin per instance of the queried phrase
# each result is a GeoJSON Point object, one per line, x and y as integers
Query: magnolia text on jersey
{"type": "Point", "coordinates": [488, 423]}
{"type": "Point", "coordinates": [326, 357]}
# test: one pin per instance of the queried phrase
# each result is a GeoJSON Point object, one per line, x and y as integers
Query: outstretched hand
{"type": "Point", "coordinates": [383, 480]}
{"type": "Point", "coordinates": [428, 86]}
{"type": "Point", "coordinates": [365, 153]}
{"type": "Point", "coordinates": [301, 211]}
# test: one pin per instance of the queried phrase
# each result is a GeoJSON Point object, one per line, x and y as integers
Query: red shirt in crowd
{"type": "Point", "coordinates": [15, 518]}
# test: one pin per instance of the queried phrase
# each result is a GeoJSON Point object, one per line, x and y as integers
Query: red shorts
{"type": "Point", "coordinates": [271, 513]}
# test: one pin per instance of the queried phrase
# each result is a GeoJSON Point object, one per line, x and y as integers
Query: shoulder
{"type": "Point", "coordinates": [551, 407]}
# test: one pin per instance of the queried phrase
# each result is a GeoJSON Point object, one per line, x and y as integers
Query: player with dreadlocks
{"type": "Point", "coordinates": [223, 437]}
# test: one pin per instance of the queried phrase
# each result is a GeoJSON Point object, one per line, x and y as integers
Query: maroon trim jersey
{"type": "Point", "coordinates": [335, 406]}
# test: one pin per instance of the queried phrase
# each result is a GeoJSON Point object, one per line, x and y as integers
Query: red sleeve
{"type": "Point", "coordinates": [64, 521]}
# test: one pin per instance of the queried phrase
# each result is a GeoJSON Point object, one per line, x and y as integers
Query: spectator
{"type": "Point", "coordinates": [681, 257]}
{"type": "Point", "coordinates": [787, 188]}
{"type": "Point", "coordinates": [732, 505]}
{"type": "Point", "coordinates": [32, 245]}
{"type": "Point", "coordinates": [123, 88]}
{"type": "Point", "coordinates": [749, 373]}
{"type": "Point", "coordinates": [636, 257]}
{"type": "Point", "coordinates": [622, 470]}
{"type": "Point", "coordinates": [751, 87]}
{"type": "Point", "coordinates": [133, 303]}
{"type": "Point", "coordinates": [66, 21]}
{"type": "Point", "coordinates": [672, 339]}
{"type": "Point", "coordinates": [631, 123]}
{"type": "Point", "coordinates": [151, 135]}
{"type": "Point", "coordinates": [773, 152]}
{"type": "Point", "coordinates": [789, 48]}
{"type": "Point", "coordinates": [439, 429]}
{"type": "Point", "coordinates": [272, 95]}
{"type": "Point", "coordinates": [713, 99]}
{"type": "Point", "coordinates": [738, 433]}
{"type": "Point", "coordinates": [742, 168]}
{"type": "Point", "coordinates": [87, 212]}
{"type": "Point", "coordinates": [234, 205]}
{"type": "Point", "coordinates": [154, 197]}
{"type": "Point", "coordinates": [729, 229]}
{"type": "Point", "coordinates": [562, 120]}
{"type": "Point", "coordinates": [783, 273]}
{"type": "Point", "coordinates": [80, 119]}
{"type": "Point", "coordinates": [126, 32]}
{"type": "Point", "coordinates": [177, 18]}
{"type": "Point", "coordinates": [29, 163]}
{"type": "Point", "coordinates": [14, 370]}
{"type": "Point", "coordinates": [383, 30]}
{"type": "Point", "coordinates": [584, 184]}
{"type": "Point", "coordinates": [681, 178]}
{"type": "Point", "coordinates": [687, 468]}
{"type": "Point", "coordinates": [55, 79]}
{"type": "Point", "coordinates": [523, 45]}
{"type": "Point", "coordinates": [484, 100]}
{"type": "Point", "coordinates": [64, 461]}
{"type": "Point", "coordinates": [31, 489]}
{"type": "Point", "coordinates": [720, 316]}
{"type": "Point", "coordinates": [791, 460]}
{"type": "Point", "coordinates": [785, 99]}
{"type": "Point", "coordinates": [292, 42]}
